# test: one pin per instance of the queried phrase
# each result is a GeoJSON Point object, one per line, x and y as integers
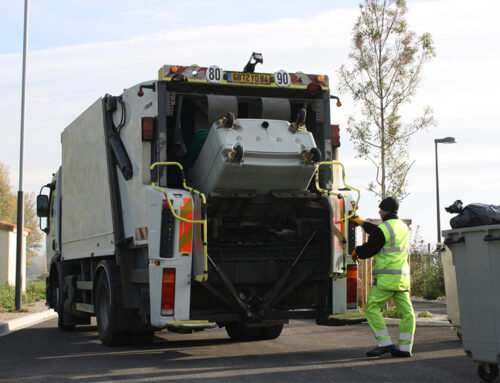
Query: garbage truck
{"type": "Point", "coordinates": [206, 198]}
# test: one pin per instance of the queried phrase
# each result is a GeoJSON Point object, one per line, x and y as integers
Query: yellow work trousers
{"type": "Point", "coordinates": [377, 299]}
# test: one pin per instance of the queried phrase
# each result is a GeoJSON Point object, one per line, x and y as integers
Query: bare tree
{"type": "Point", "coordinates": [387, 61]}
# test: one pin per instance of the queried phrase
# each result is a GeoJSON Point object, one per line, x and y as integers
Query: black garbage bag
{"type": "Point", "coordinates": [455, 207]}
{"type": "Point", "coordinates": [474, 214]}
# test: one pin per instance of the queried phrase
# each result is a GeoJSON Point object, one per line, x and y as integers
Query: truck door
{"type": "Point", "coordinates": [54, 218]}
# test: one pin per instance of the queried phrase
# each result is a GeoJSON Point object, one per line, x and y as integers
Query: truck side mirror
{"type": "Point", "coordinates": [42, 205]}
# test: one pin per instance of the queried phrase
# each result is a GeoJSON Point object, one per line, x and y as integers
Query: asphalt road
{"type": "Point", "coordinates": [303, 353]}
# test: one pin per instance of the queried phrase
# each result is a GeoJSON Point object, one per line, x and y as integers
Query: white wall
{"type": "Point", "coordinates": [8, 240]}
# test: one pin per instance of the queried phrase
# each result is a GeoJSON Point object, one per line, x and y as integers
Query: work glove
{"type": "Point", "coordinates": [357, 220]}
{"type": "Point", "coordinates": [354, 256]}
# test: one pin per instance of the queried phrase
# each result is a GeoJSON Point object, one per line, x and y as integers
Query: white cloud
{"type": "Point", "coordinates": [460, 84]}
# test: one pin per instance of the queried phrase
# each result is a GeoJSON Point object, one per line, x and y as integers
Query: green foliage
{"type": "Point", "coordinates": [387, 60]}
{"type": "Point", "coordinates": [35, 292]}
{"type": "Point", "coordinates": [8, 212]}
{"type": "Point", "coordinates": [7, 298]}
{"type": "Point", "coordinates": [391, 312]}
{"type": "Point", "coordinates": [7, 198]}
{"type": "Point", "coordinates": [424, 314]}
{"type": "Point", "coordinates": [426, 269]}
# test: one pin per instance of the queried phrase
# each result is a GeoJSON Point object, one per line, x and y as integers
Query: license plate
{"type": "Point", "coordinates": [249, 78]}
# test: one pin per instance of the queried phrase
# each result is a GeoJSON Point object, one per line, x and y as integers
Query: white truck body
{"type": "Point", "coordinates": [116, 250]}
{"type": "Point", "coordinates": [88, 227]}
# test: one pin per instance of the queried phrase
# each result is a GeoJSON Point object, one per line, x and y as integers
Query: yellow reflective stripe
{"type": "Point", "coordinates": [161, 77]}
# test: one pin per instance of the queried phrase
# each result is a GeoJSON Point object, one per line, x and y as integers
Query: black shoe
{"type": "Point", "coordinates": [400, 354]}
{"type": "Point", "coordinates": [377, 351]}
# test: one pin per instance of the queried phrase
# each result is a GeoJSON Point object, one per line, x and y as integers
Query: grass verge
{"type": "Point", "coordinates": [35, 291]}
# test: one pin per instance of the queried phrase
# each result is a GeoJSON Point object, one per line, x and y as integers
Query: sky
{"type": "Point", "coordinates": [79, 50]}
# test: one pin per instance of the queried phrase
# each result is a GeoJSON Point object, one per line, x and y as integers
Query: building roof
{"type": "Point", "coordinates": [6, 226]}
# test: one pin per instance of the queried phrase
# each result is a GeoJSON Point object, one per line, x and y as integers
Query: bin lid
{"type": "Point", "coordinates": [484, 228]}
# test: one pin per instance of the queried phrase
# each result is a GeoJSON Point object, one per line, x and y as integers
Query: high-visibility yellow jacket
{"type": "Point", "coordinates": [391, 268]}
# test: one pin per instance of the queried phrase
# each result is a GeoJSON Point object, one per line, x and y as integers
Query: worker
{"type": "Point", "coordinates": [388, 242]}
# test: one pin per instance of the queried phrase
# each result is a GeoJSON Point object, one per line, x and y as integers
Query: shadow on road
{"type": "Point", "coordinates": [301, 354]}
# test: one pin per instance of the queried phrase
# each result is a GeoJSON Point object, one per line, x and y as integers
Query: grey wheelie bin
{"type": "Point", "coordinates": [476, 256]}
{"type": "Point", "coordinates": [450, 285]}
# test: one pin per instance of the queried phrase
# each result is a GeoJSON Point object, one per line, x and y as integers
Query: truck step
{"type": "Point", "coordinates": [84, 285]}
{"type": "Point", "coordinates": [189, 326]}
{"type": "Point", "coordinates": [85, 307]}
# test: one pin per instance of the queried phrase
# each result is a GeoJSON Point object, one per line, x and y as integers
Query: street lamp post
{"type": "Point", "coordinates": [446, 140]}
{"type": "Point", "coordinates": [20, 260]}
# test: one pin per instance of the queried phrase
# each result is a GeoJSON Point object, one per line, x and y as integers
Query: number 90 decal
{"type": "Point", "coordinates": [214, 74]}
{"type": "Point", "coordinates": [282, 78]}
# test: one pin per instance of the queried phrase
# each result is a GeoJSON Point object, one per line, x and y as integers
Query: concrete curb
{"type": "Point", "coordinates": [25, 321]}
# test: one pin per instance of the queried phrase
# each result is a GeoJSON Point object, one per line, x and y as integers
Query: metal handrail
{"type": "Point", "coordinates": [199, 278]}
{"type": "Point", "coordinates": [345, 217]}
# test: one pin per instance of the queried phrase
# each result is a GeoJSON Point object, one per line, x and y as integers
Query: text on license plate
{"type": "Point", "coordinates": [249, 78]}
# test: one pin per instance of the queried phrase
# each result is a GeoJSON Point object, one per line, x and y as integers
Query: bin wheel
{"type": "Point", "coordinates": [316, 155]}
{"type": "Point", "coordinates": [301, 116]}
{"type": "Point", "coordinates": [487, 371]}
{"type": "Point", "coordinates": [229, 120]}
{"type": "Point", "coordinates": [238, 153]}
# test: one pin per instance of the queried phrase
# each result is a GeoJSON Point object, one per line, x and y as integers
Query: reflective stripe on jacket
{"type": "Point", "coordinates": [391, 268]}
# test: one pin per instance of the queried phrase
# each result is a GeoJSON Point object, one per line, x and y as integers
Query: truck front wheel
{"type": "Point", "coordinates": [57, 302]}
{"type": "Point", "coordinates": [107, 308]}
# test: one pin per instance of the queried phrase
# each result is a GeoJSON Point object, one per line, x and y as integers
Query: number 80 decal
{"type": "Point", "coordinates": [214, 74]}
{"type": "Point", "coordinates": [282, 78]}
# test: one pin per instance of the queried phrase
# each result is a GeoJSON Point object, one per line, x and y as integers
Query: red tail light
{"type": "Point", "coordinates": [335, 129]}
{"type": "Point", "coordinates": [168, 292]}
{"type": "Point", "coordinates": [352, 286]}
{"type": "Point", "coordinates": [148, 129]}
{"type": "Point", "coordinates": [314, 87]}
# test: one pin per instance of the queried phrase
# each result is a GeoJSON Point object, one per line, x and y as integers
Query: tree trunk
{"type": "Point", "coordinates": [382, 122]}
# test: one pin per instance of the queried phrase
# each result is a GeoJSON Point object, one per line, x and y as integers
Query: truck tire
{"type": "Point", "coordinates": [57, 299]}
{"type": "Point", "coordinates": [142, 338]}
{"type": "Point", "coordinates": [239, 331]}
{"type": "Point", "coordinates": [108, 310]}
{"type": "Point", "coordinates": [270, 332]}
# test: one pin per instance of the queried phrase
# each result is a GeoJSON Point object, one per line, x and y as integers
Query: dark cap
{"type": "Point", "coordinates": [389, 204]}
